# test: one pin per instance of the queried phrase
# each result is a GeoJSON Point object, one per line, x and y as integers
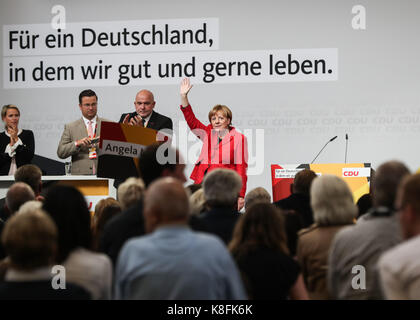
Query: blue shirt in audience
{"type": "Point", "coordinates": [175, 262]}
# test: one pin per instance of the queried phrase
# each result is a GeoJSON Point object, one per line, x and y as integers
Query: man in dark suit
{"type": "Point", "coordinates": [144, 115]}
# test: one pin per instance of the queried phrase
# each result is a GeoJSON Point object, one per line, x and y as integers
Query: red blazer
{"type": "Point", "coordinates": [230, 153]}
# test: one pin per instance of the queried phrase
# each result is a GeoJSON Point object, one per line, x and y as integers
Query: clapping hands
{"type": "Point", "coordinates": [13, 132]}
{"type": "Point", "coordinates": [134, 121]}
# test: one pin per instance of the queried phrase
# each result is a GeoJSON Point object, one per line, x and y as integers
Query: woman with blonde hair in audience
{"type": "Point", "coordinates": [130, 192]}
{"type": "Point", "coordinates": [197, 203]}
{"type": "Point", "coordinates": [258, 194]}
{"type": "Point", "coordinates": [30, 239]}
{"type": "Point", "coordinates": [260, 250]}
{"type": "Point", "coordinates": [17, 146]}
{"type": "Point", "coordinates": [333, 208]}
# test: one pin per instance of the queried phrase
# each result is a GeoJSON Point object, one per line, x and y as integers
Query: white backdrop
{"type": "Point", "coordinates": [372, 92]}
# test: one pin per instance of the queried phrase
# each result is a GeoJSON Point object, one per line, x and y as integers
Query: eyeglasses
{"type": "Point", "coordinates": [87, 105]}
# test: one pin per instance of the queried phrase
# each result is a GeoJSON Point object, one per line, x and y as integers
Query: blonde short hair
{"type": "Point", "coordinates": [223, 109]}
{"type": "Point", "coordinates": [197, 202]}
{"type": "Point", "coordinates": [257, 195]}
{"type": "Point", "coordinates": [30, 240]}
{"type": "Point", "coordinates": [7, 107]}
{"type": "Point", "coordinates": [130, 192]}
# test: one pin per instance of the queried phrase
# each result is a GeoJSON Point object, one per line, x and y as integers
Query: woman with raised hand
{"type": "Point", "coordinates": [17, 146]}
{"type": "Point", "coordinates": [223, 146]}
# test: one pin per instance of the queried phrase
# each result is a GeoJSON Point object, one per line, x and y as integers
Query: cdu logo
{"type": "Point", "coordinates": [356, 172]}
{"type": "Point", "coordinates": [352, 173]}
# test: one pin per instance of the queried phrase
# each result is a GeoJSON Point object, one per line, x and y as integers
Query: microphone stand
{"type": "Point", "coordinates": [347, 142]}
{"type": "Point", "coordinates": [320, 151]}
{"type": "Point", "coordinates": [332, 139]}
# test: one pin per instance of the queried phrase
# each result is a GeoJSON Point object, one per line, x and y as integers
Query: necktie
{"type": "Point", "coordinates": [90, 133]}
{"type": "Point", "coordinates": [143, 122]}
{"type": "Point", "coordinates": [90, 129]}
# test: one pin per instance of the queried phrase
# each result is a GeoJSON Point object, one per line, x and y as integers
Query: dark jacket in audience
{"type": "Point", "coordinates": [298, 215]}
{"type": "Point", "coordinates": [301, 204]}
{"type": "Point", "coordinates": [118, 230]}
{"type": "Point", "coordinates": [219, 221]}
{"type": "Point", "coordinates": [40, 290]}
{"type": "Point", "coordinates": [268, 274]}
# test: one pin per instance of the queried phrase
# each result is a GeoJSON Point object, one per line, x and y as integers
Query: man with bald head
{"type": "Point", "coordinates": [144, 115]}
{"type": "Point", "coordinates": [172, 261]}
{"type": "Point", "coordinates": [18, 194]}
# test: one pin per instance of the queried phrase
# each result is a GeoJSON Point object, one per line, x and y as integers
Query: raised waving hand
{"type": "Point", "coordinates": [185, 88]}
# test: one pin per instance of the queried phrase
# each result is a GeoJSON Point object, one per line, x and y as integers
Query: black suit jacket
{"type": "Point", "coordinates": [157, 121]}
{"type": "Point", "coordinates": [119, 229]}
{"type": "Point", "coordinates": [219, 221]}
{"type": "Point", "coordinates": [24, 153]}
{"type": "Point", "coordinates": [298, 216]}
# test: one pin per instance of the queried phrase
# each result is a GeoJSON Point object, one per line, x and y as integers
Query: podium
{"type": "Point", "coordinates": [357, 176]}
{"type": "Point", "coordinates": [93, 188]}
{"type": "Point", "coordinates": [120, 146]}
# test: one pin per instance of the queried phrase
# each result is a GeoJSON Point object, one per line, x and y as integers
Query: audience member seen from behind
{"type": "Point", "coordinates": [105, 210]}
{"type": "Point", "coordinates": [362, 244]}
{"type": "Point", "coordinates": [260, 250]}
{"type": "Point", "coordinates": [130, 223]}
{"type": "Point", "coordinates": [130, 192]}
{"type": "Point", "coordinates": [18, 194]}
{"type": "Point", "coordinates": [198, 203]}
{"type": "Point", "coordinates": [173, 262]}
{"type": "Point", "coordinates": [31, 175]}
{"type": "Point", "coordinates": [92, 271]}
{"type": "Point", "coordinates": [297, 208]}
{"type": "Point", "coordinates": [223, 146]}
{"type": "Point", "coordinates": [333, 208]}
{"type": "Point", "coordinates": [192, 188]}
{"type": "Point", "coordinates": [257, 195]}
{"type": "Point", "coordinates": [364, 204]}
{"type": "Point", "coordinates": [221, 188]}
{"type": "Point", "coordinates": [30, 239]}
{"type": "Point", "coordinates": [399, 267]}
{"type": "Point", "coordinates": [17, 146]}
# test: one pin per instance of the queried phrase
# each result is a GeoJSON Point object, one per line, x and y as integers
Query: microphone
{"type": "Point", "coordinates": [347, 142]}
{"type": "Point", "coordinates": [331, 140]}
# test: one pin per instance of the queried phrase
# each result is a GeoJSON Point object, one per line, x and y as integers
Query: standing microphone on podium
{"type": "Point", "coordinates": [331, 140]}
{"type": "Point", "coordinates": [347, 141]}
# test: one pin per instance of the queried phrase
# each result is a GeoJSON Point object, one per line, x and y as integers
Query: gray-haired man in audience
{"type": "Point", "coordinates": [361, 245]}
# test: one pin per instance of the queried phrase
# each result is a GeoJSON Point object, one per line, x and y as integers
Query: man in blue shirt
{"type": "Point", "coordinates": [172, 261]}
